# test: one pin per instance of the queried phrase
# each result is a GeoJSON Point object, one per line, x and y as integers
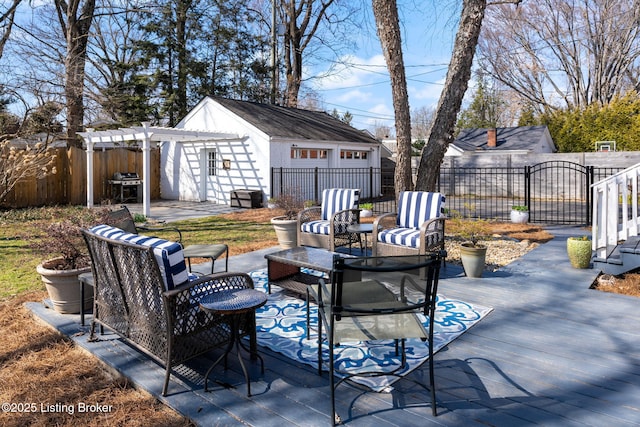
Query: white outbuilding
{"type": "Point", "coordinates": [266, 137]}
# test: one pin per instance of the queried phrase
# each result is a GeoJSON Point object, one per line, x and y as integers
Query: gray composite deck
{"type": "Point", "coordinates": [553, 352]}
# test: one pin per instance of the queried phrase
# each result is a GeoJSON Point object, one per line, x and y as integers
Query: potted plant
{"type": "Point", "coordinates": [366, 210]}
{"type": "Point", "coordinates": [580, 251]}
{"type": "Point", "coordinates": [67, 258]}
{"type": "Point", "coordinates": [472, 252]}
{"type": "Point", "coordinates": [519, 214]}
{"type": "Point", "coordinates": [286, 225]}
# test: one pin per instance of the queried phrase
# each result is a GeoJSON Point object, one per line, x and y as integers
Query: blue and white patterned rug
{"type": "Point", "coordinates": [281, 327]}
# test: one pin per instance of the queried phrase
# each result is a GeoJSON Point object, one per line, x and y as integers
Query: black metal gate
{"type": "Point", "coordinates": [559, 192]}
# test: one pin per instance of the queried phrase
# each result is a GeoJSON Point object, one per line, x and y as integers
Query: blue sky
{"type": "Point", "coordinates": [362, 86]}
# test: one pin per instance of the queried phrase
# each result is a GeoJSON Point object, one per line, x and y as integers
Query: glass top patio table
{"type": "Point", "coordinates": [284, 267]}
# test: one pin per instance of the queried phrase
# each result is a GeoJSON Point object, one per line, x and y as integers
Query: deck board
{"type": "Point", "coordinates": [552, 352]}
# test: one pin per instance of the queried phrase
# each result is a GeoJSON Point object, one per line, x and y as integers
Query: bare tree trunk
{"type": "Point", "coordinates": [297, 37]}
{"type": "Point", "coordinates": [75, 20]}
{"type": "Point", "coordinates": [458, 75]}
{"type": "Point", "coordinates": [6, 23]}
{"type": "Point", "coordinates": [388, 27]}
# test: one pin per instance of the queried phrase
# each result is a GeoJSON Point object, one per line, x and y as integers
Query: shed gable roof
{"type": "Point", "coordinates": [530, 138]}
{"type": "Point", "coordinates": [295, 123]}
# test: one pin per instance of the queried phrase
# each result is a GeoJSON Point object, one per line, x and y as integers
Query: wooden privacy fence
{"type": "Point", "coordinates": [69, 184]}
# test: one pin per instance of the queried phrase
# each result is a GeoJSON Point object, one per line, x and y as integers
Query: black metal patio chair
{"type": "Point", "coordinates": [393, 299]}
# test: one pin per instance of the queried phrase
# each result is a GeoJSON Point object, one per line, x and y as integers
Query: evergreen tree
{"type": "Point", "coordinates": [578, 131]}
{"type": "Point", "coordinates": [196, 48]}
{"type": "Point", "coordinates": [347, 117]}
{"type": "Point", "coordinates": [484, 110]}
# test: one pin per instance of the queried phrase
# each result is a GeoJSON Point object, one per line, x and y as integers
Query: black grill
{"type": "Point", "coordinates": [124, 187]}
{"type": "Point", "coordinates": [125, 176]}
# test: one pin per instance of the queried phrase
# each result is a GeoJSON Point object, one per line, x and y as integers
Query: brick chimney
{"type": "Point", "coordinates": [492, 138]}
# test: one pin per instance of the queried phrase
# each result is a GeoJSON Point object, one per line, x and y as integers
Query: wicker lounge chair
{"type": "Point", "coordinates": [123, 219]}
{"type": "Point", "coordinates": [417, 227]}
{"type": "Point", "coordinates": [325, 226]}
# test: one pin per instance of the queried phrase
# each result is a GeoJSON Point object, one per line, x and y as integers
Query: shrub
{"type": "Point", "coordinates": [291, 204]}
{"type": "Point", "coordinates": [63, 238]}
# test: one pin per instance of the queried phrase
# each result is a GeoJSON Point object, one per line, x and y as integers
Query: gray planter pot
{"type": "Point", "coordinates": [63, 287]}
{"type": "Point", "coordinates": [473, 259]}
{"type": "Point", "coordinates": [286, 231]}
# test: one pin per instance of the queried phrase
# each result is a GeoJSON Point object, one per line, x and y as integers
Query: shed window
{"type": "Point", "coordinates": [306, 153]}
{"type": "Point", "coordinates": [211, 163]}
{"type": "Point", "coordinates": [354, 154]}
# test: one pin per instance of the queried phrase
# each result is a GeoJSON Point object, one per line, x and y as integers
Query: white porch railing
{"type": "Point", "coordinates": [615, 210]}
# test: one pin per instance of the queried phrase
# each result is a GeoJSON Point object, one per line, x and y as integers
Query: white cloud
{"type": "Point", "coordinates": [352, 72]}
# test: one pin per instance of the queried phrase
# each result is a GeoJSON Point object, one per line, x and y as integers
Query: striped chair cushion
{"type": "Point", "coordinates": [316, 227]}
{"type": "Point", "coordinates": [416, 207]}
{"type": "Point", "coordinates": [338, 199]}
{"type": "Point", "coordinates": [168, 254]}
{"type": "Point", "coordinates": [409, 237]}
{"type": "Point", "coordinates": [400, 236]}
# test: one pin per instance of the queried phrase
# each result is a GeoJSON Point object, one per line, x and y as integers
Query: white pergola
{"type": "Point", "coordinates": [148, 135]}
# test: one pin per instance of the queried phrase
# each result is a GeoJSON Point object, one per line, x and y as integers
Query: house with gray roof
{"type": "Point", "coordinates": [258, 138]}
{"type": "Point", "coordinates": [505, 140]}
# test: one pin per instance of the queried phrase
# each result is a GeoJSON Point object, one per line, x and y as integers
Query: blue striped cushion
{"type": "Point", "coordinates": [168, 254]}
{"type": "Point", "coordinates": [408, 237]}
{"type": "Point", "coordinates": [316, 227]}
{"type": "Point", "coordinates": [400, 236]}
{"type": "Point", "coordinates": [416, 207]}
{"type": "Point", "coordinates": [338, 199]}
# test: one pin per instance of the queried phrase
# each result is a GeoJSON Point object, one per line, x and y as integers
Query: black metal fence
{"type": "Point", "coordinates": [555, 192]}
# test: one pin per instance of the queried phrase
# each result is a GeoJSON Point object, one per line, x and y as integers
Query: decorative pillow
{"type": "Point", "coordinates": [416, 207]}
{"type": "Point", "coordinates": [168, 254]}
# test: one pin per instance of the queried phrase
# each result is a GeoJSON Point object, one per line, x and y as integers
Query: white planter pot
{"type": "Point", "coordinates": [365, 213]}
{"type": "Point", "coordinates": [519, 217]}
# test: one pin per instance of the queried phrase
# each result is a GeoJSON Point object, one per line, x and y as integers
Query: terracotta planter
{"type": "Point", "coordinates": [473, 259]}
{"type": "Point", "coordinates": [579, 252]}
{"type": "Point", "coordinates": [63, 287]}
{"type": "Point", "coordinates": [286, 231]}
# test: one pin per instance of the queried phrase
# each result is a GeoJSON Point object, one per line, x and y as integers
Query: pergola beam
{"type": "Point", "coordinates": [147, 135]}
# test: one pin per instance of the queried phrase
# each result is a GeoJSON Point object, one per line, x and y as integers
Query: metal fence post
{"type": "Point", "coordinates": [315, 185]}
{"type": "Point", "coordinates": [371, 182]}
{"type": "Point", "coordinates": [527, 190]}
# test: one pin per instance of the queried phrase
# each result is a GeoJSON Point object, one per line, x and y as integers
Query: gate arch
{"type": "Point", "coordinates": [559, 192]}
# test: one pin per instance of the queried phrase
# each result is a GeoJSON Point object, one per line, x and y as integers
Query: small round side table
{"type": "Point", "coordinates": [234, 303]}
{"type": "Point", "coordinates": [360, 230]}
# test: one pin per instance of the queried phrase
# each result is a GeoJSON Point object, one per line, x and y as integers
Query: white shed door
{"type": "Point", "coordinates": [208, 175]}
{"type": "Point", "coordinates": [309, 158]}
